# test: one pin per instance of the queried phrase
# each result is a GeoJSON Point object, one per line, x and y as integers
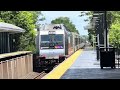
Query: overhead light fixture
{"type": "Point", "coordinates": [95, 17]}
{"type": "Point", "coordinates": [99, 12]}
{"type": "Point", "coordinates": [96, 21]}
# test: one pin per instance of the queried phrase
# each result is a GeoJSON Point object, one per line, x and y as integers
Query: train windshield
{"type": "Point", "coordinates": [54, 41]}
{"type": "Point", "coordinates": [45, 38]}
{"type": "Point", "coordinates": [59, 38]}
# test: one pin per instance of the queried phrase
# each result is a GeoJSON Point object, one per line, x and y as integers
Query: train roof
{"type": "Point", "coordinates": [51, 26]}
{"type": "Point", "coordinates": [57, 27]}
{"type": "Point", "coordinates": [54, 26]}
{"type": "Point", "coordinates": [75, 33]}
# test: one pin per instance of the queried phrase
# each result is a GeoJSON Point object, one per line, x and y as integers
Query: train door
{"type": "Point", "coordinates": [73, 41]}
{"type": "Point", "coordinates": [66, 44]}
{"type": "Point", "coordinates": [70, 44]}
{"type": "Point", "coordinates": [69, 47]}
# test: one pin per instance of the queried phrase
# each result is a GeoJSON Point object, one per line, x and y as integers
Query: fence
{"type": "Point", "coordinates": [15, 65]}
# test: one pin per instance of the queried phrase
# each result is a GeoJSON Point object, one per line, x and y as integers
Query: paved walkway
{"type": "Point", "coordinates": [87, 67]}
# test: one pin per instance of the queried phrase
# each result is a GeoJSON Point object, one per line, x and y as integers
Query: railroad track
{"type": "Point", "coordinates": [34, 75]}
{"type": "Point", "coordinates": [44, 72]}
{"type": "Point", "coordinates": [40, 75]}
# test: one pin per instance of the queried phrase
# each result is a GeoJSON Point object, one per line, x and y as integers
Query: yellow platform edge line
{"type": "Point", "coordinates": [58, 71]}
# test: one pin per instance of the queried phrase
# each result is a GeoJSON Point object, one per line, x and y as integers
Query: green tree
{"type": "Point", "coordinates": [113, 23]}
{"type": "Point", "coordinates": [114, 32]}
{"type": "Point", "coordinates": [91, 31]}
{"type": "Point", "coordinates": [26, 20]}
{"type": "Point", "coordinates": [66, 21]}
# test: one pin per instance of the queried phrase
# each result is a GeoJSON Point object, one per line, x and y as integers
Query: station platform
{"type": "Point", "coordinates": [82, 65]}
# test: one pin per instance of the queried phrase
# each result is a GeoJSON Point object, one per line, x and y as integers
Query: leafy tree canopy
{"type": "Point", "coordinates": [66, 21]}
{"type": "Point", "coordinates": [26, 20]}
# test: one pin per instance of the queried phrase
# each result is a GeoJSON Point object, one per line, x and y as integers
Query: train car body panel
{"type": "Point", "coordinates": [52, 53]}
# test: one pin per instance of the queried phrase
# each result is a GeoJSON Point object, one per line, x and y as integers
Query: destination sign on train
{"type": "Point", "coordinates": [51, 32]}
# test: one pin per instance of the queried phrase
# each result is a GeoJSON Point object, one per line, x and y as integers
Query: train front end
{"type": "Point", "coordinates": [52, 45]}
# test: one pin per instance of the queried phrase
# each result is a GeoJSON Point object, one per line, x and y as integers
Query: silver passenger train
{"type": "Point", "coordinates": [56, 42]}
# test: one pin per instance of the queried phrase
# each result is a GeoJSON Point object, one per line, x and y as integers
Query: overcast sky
{"type": "Point", "coordinates": [73, 15]}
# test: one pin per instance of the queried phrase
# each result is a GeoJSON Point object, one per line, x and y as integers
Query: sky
{"type": "Point", "coordinates": [73, 15]}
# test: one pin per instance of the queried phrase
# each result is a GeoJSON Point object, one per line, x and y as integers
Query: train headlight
{"type": "Point", "coordinates": [61, 55]}
{"type": "Point", "coordinates": [42, 55]}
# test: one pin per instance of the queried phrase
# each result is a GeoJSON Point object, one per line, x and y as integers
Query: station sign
{"type": "Point", "coordinates": [51, 32]}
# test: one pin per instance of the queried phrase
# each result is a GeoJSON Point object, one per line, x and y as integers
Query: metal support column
{"type": "Point", "coordinates": [8, 44]}
{"type": "Point", "coordinates": [105, 31]}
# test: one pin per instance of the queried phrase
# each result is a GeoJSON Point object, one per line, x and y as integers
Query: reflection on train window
{"type": "Point", "coordinates": [45, 38]}
{"type": "Point", "coordinates": [51, 37]}
{"type": "Point", "coordinates": [59, 37]}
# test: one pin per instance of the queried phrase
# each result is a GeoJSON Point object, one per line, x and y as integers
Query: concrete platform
{"type": "Point", "coordinates": [83, 65]}
{"type": "Point", "coordinates": [87, 67]}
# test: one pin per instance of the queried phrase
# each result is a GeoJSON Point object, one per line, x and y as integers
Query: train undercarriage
{"type": "Point", "coordinates": [46, 64]}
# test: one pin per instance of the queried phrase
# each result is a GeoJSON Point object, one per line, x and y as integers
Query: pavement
{"type": "Point", "coordinates": [87, 67]}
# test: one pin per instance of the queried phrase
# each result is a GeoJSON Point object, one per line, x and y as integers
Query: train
{"type": "Point", "coordinates": [55, 43]}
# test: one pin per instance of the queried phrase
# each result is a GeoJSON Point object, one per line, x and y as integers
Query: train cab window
{"type": "Point", "coordinates": [59, 37]}
{"type": "Point", "coordinates": [45, 38]}
{"type": "Point", "coordinates": [59, 41]}
{"type": "Point", "coordinates": [44, 42]}
{"type": "Point", "coordinates": [52, 40]}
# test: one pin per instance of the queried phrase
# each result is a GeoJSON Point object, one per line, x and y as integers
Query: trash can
{"type": "Point", "coordinates": [107, 57]}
